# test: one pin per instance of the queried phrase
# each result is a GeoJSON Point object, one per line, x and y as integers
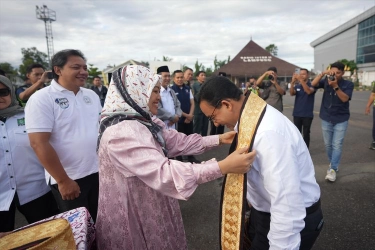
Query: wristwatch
{"type": "Point", "coordinates": [337, 88]}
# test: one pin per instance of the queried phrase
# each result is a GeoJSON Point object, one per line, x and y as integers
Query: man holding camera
{"type": "Point", "coordinates": [304, 102]}
{"type": "Point", "coordinates": [334, 112]}
{"type": "Point", "coordinates": [273, 91]}
{"type": "Point", "coordinates": [36, 78]}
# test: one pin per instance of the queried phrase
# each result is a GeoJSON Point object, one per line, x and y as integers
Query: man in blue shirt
{"type": "Point", "coordinates": [303, 104]}
{"type": "Point", "coordinates": [334, 112]}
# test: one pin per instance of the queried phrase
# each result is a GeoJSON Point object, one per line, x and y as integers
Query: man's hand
{"type": "Point", "coordinates": [69, 189]}
{"type": "Point", "coordinates": [367, 111]}
{"type": "Point", "coordinates": [175, 119]}
{"type": "Point", "coordinates": [238, 162]}
{"type": "Point", "coordinates": [333, 83]}
{"type": "Point", "coordinates": [227, 137]}
{"type": "Point", "coordinates": [43, 79]}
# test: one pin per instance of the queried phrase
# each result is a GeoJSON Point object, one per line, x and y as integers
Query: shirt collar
{"type": "Point", "coordinates": [236, 127]}
{"type": "Point", "coordinates": [60, 88]}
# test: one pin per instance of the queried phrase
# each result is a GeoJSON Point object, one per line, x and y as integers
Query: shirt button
{"type": "Point", "coordinates": [9, 164]}
{"type": "Point", "coordinates": [11, 177]}
{"type": "Point", "coordinates": [7, 151]}
{"type": "Point", "coordinates": [4, 137]}
{"type": "Point", "coordinates": [12, 188]}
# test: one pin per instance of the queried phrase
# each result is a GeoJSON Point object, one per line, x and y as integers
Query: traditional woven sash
{"type": "Point", "coordinates": [233, 200]}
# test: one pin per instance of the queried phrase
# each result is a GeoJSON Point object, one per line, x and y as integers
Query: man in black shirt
{"type": "Point", "coordinates": [99, 89]}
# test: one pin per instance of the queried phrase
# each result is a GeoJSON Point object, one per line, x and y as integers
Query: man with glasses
{"type": "Point", "coordinates": [334, 113]}
{"type": "Point", "coordinates": [169, 107]}
{"type": "Point", "coordinates": [280, 188]}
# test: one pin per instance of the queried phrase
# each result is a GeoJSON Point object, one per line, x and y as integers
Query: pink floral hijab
{"type": "Point", "coordinates": [138, 82]}
{"type": "Point", "coordinates": [127, 99]}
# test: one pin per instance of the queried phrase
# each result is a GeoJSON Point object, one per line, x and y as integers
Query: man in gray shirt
{"type": "Point", "coordinates": [273, 91]}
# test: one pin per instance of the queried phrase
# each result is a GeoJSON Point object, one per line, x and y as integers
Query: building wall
{"type": "Point", "coordinates": [342, 46]}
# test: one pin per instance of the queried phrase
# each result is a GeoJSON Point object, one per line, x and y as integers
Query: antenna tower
{"type": "Point", "coordinates": [48, 16]}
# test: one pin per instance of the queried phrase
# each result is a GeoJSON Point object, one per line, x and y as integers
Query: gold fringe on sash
{"type": "Point", "coordinates": [234, 193]}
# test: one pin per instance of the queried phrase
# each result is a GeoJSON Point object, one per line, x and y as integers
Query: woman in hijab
{"type": "Point", "coordinates": [139, 186]}
{"type": "Point", "coordinates": [22, 182]}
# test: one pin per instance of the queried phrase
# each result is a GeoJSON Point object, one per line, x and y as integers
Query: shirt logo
{"type": "Point", "coordinates": [21, 122]}
{"type": "Point", "coordinates": [63, 102]}
{"type": "Point", "coordinates": [87, 99]}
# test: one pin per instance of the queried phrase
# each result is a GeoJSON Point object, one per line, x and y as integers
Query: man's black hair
{"type": "Point", "coordinates": [33, 66]}
{"type": "Point", "coordinates": [199, 72]}
{"type": "Point", "coordinates": [218, 88]}
{"type": "Point", "coordinates": [304, 70]}
{"type": "Point", "coordinates": [177, 71]}
{"type": "Point", "coordinates": [2, 72]}
{"type": "Point", "coordinates": [187, 70]}
{"type": "Point", "coordinates": [61, 57]}
{"type": "Point", "coordinates": [97, 77]}
{"type": "Point", "coordinates": [338, 65]}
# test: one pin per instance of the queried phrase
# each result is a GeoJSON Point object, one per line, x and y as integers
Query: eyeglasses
{"type": "Point", "coordinates": [4, 92]}
{"type": "Point", "coordinates": [212, 116]}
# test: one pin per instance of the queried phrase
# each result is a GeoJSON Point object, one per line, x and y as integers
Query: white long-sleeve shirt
{"type": "Point", "coordinates": [282, 180]}
{"type": "Point", "coordinates": [20, 169]}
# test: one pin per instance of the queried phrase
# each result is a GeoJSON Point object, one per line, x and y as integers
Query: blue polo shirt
{"type": "Point", "coordinates": [304, 103]}
{"type": "Point", "coordinates": [183, 95]}
{"type": "Point", "coordinates": [333, 109]}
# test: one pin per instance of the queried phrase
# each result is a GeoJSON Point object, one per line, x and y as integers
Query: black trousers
{"type": "Point", "coordinates": [187, 129]}
{"type": "Point", "coordinates": [35, 210]}
{"type": "Point", "coordinates": [88, 197]}
{"type": "Point", "coordinates": [259, 227]}
{"type": "Point", "coordinates": [304, 124]}
{"type": "Point", "coordinates": [216, 130]}
{"type": "Point", "coordinates": [200, 124]}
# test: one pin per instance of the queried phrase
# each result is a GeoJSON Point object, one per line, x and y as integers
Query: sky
{"type": "Point", "coordinates": [115, 31]}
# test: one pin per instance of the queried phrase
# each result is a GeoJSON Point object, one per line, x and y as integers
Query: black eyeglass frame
{"type": "Point", "coordinates": [211, 118]}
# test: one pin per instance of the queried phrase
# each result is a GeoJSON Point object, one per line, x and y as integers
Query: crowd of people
{"type": "Point", "coordinates": [126, 152]}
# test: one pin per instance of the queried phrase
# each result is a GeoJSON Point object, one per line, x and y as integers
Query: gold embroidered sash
{"type": "Point", "coordinates": [234, 186]}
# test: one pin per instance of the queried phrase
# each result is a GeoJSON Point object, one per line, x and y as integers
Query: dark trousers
{"type": "Point", "coordinates": [200, 124]}
{"type": "Point", "coordinates": [35, 210]}
{"type": "Point", "coordinates": [373, 124]}
{"type": "Point", "coordinates": [304, 124]}
{"type": "Point", "coordinates": [187, 129]}
{"type": "Point", "coordinates": [259, 227]}
{"type": "Point", "coordinates": [88, 197]}
{"type": "Point", "coordinates": [216, 130]}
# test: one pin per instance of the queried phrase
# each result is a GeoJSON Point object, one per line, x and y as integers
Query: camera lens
{"type": "Point", "coordinates": [331, 77]}
{"type": "Point", "coordinates": [270, 77]}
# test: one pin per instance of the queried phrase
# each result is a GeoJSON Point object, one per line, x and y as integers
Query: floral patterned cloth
{"type": "Point", "coordinates": [139, 186]}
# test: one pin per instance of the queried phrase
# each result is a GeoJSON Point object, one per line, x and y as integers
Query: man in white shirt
{"type": "Point", "coordinates": [62, 122]}
{"type": "Point", "coordinates": [169, 108]}
{"type": "Point", "coordinates": [281, 186]}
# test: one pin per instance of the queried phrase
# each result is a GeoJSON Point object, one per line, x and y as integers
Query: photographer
{"type": "Point", "coordinates": [334, 112]}
{"type": "Point", "coordinates": [273, 91]}
{"type": "Point", "coordinates": [304, 102]}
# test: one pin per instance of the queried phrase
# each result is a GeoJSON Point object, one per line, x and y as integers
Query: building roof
{"type": "Point", "coordinates": [253, 60]}
{"type": "Point", "coordinates": [349, 24]}
{"type": "Point", "coordinates": [129, 62]}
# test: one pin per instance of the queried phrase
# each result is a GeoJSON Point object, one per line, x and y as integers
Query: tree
{"type": "Point", "coordinates": [209, 71]}
{"type": "Point", "coordinates": [30, 56]}
{"type": "Point", "coordinates": [198, 66]}
{"type": "Point", "coordinates": [93, 71]}
{"type": "Point", "coordinates": [272, 48]}
{"type": "Point", "coordinates": [349, 65]}
{"type": "Point", "coordinates": [218, 64]}
{"type": "Point", "coordinates": [8, 69]}
{"type": "Point", "coordinates": [167, 59]}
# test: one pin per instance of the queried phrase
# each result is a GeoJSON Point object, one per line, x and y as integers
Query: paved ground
{"type": "Point", "coordinates": [348, 204]}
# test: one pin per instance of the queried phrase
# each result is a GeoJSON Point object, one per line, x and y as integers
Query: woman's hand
{"type": "Point", "coordinates": [238, 162]}
{"type": "Point", "coordinates": [227, 137]}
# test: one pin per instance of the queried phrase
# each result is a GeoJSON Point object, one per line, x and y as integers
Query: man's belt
{"type": "Point", "coordinates": [233, 200]}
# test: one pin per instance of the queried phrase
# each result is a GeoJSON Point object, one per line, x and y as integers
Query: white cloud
{"type": "Point", "coordinates": [111, 32]}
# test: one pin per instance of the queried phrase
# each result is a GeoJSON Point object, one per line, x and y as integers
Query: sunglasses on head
{"type": "Point", "coordinates": [4, 92]}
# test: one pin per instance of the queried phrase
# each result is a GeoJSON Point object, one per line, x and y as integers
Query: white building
{"type": "Point", "coordinates": [353, 40]}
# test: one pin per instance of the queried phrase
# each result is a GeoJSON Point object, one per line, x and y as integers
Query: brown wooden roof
{"type": "Point", "coordinates": [253, 60]}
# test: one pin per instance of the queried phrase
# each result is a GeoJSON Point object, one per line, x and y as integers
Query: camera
{"type": "Point", "coordinates": [270, 77]}
{"type": "Point", "coordinates": [49, 75]}
{"type": "Point", "coordinates": [332, 77]}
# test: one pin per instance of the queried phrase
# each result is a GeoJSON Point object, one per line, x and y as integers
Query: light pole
{"type": "Point", "coordinates": [48, 16]}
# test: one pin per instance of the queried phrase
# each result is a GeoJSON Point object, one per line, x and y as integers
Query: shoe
{"type": "Point", "coordinates": [336, 169]}
{"type": "Point", "coordinates": [372, 146]}
{"type": "Point", "coordinates": [192, 159]}
{"type": "Point", "coordinates": [331, 175]}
